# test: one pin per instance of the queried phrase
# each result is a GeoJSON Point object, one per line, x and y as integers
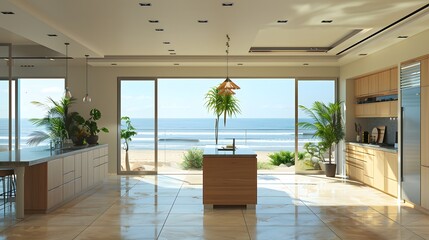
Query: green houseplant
{"type": "Point", "coordinates": [221, 104]}
{"type": "Point", "coordinates": [126, 134]}
{"type": "Point", "coordinates": [327, 126]}
{"type": "Point", "coordinates": [92, 127]}
{"type": "Point", "coordinates": [58, 121]}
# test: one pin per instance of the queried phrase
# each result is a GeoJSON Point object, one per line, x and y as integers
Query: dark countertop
{"type": "Point", "coordinates": [381, 147]}
{"type": "Point", "coordinates": [36, 155]}
{"type": "Point", "coordinates": [240, 151]}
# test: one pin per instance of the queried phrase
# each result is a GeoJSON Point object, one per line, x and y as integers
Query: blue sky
{"type": "Point", "coordinates": [184, 98]}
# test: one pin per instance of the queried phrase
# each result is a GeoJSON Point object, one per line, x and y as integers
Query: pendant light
{"type": "Point", "coordinates": [67, 93]}
{"type": "Point", "coordinates": [87, 98]}
{"type": "Point", "coordinates": [227, 86]}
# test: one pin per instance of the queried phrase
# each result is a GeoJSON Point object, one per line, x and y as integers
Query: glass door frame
{"type": "Point", "coordinates": [340, 161]}
{"type": "Point", "coordinates": [119, 141]}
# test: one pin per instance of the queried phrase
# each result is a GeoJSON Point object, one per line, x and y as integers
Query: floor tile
{"type": "Point", "coordinates": [120, 232]}
{"type": "Point", "coordinates": [368, 232]}
{"type": "Point", "coordinates": [206, 219]}
{"type": "Point", "coordinates": [204, 232]}
{"type": "Point", "coordinates": [289, 232]}
{"type": "Point", "coordinates": [136, 219]}
{"type": "Point", "coordinates": [42, 232]}
{"type": "Point", "coordinates": [277, 219]}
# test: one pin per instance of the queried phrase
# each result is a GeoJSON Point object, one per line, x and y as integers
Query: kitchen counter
{"type": "Point", "coordinates": [219, 151]}
{"type": "Point", "coordinates": [382, 147]}
{"type": "Point", "coordinates": [31, 165]}
{"type": "Point", "coordinates": [36, 155]}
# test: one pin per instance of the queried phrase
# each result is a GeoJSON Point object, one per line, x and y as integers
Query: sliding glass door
{"type": "Point", "coordinates": [138, 126]}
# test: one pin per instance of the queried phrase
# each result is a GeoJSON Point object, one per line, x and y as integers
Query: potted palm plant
{"type": "Point", "coordinates": [327, 126]}
{"type": "Point", "coordinates": [126, 134]}
{"type": "Point", "coordinates": [92, 127]}
{"type": "Point", "coordinates": [221, 104]}
{"type": "Point", "coordinates": [57, 122]}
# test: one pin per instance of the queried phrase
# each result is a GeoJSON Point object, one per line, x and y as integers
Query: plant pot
{"type": "Point", "coordinates": [330, 169]}
{"type": "Point", "coordinates": [93, 139]}
{"type": "Point", "coordinates": [77, 141]}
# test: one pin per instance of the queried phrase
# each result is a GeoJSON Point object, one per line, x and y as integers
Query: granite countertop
{"type": "Point", "coordinates": [217, 150]}
{"type": "Point", "coordinates": [381, 147]}
{"type": "Point", "coordinates": [37, 155]}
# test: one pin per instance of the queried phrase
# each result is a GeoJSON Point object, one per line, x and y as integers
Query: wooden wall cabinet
{"type": "Point", "coordinates": [378, 109]}
{"type": "Point", "coordinates": [424, 72]}
{"type": "Point", "coordinates": [361, 87]}
{"type": "Point", "coordinates": [384, 81]}
{"type": "Point", "coordinates": [394, 79]}
{"type": "Point", "coordinates": [373, 84]}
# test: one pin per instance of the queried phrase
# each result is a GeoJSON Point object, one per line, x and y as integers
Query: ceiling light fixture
{"type": "Point", "coordinates": [327, 21]}
{"type": "Point", "coordinates": [143, 4]}
{"type": "Point", "coordinates": [305, 64]}
{"type": "Point", "coordinates": [8, 13]}
{"type": "Point", "coordinates": [166, 43]}
{"type": "Point", "coordinates": [203, 21]}
{"type": "Point", "coordinates": [172, 53]}
{"type": "Point", "coordinates": [159, 29]}
{"type": "Point", "coordinates": [228, 4]}
{"type": "Point", "coordinates": [52, 35]}
{"type": "Point", "coordinates": [114, 64]}
{"type": "Point", "coordinates": [176, 64]}
{"type": "Point", "coordinates": [171, 50]}
{"type": "Point", "coordinates": [153, 21]}
{"type": "Point", "coordinates": [281, 21]}
{"type": "Point", "coordinates": [363, 54]}
{"type": "Point", "coordinates": [227, 86]}
{"type": "Point", "coordinates": [403, 36]}
{"type": "Point", "coordinates": [87, 98]}
{"type": "Point", "coordinates": [67, 93]}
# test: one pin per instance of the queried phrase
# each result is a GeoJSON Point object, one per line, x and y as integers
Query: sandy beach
{"type": "Point", "coordinates": [169, 161]}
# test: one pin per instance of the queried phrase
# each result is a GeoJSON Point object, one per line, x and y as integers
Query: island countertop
{"type": "Point", "coordinates": [218, 151]}
{"type": "Point", "coordinates": [36, 155]}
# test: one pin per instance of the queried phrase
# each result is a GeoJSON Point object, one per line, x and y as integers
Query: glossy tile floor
{"type": "Point", "coordinates": [170, 207]}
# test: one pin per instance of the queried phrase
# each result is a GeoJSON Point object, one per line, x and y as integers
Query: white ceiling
{"type": "Point", "coordinates": [120, 31]}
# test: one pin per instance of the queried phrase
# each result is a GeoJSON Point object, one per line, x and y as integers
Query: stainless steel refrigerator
{"type": "Point", "coordinates": [410, 132]}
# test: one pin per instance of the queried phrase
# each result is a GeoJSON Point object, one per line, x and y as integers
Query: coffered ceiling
{"type": "Point", "coordinates": [193, 32]}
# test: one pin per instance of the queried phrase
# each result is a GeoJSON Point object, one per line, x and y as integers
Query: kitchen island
{"type": "Point", "coordinates": [229, 177]}
{"type": "Point", "coordinates": [46, 178]}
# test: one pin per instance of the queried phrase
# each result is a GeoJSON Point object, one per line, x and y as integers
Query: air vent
{"type": "Point", "coordinates": [27, 66]}
{"type": "Point", "coordinates": [7, 13]}
{"type": "Point", "coordinates": [281, 21]}
{"type": "Point", "coordinates": [145, 4]}
{"type": "Point", "coordinates": [159, 29]}
{"type": "Point", "coordinates": [153, 21]}
{"type": "Point", "coordinates": [166, 43]}
{"type": "Point", "coordinates": [228, 4]}
{"type": "Point", "coordinates": [289, 49]}
{"type": "Point", "coordinates": [306, 49]}
{"type": "Point", "coordinates": [52, 35]}
{"type": "Point", "coordinates": [327, 21]}
{"type": "Point", "coordinates": [203, 21]}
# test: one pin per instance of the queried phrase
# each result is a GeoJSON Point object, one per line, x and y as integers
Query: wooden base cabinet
{"type": "Point", "coordinates": [49, 185]}
{"type": "Point", "coordinates": [375, 168]}
{"type": "Point", "coordinates": [425, 190]}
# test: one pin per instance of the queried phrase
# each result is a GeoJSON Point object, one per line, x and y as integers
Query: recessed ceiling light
{"type": "Point", "coordinates": [176, 64]}
{"type": "Point", "coordinates": [153, 21]}
{"type": "Point", "coordinates": [159, 29]}
{"type": "Point", "coordinates": [166, 43]}
{"type": "Point", "coordinates": [203, 21]}
{"type": "Point", "coordinates": [171, 50]}
{"type": "Point", "coordinates": [143, 4]}
{"type": "Point", "coordinates": [51, 59]}
{"type": "Point", "coordinates": [239, 64]}
{"type": "Point", "coordinates": [327, 21]}
{"type": "Point", "coordinates": [281, 21]}
{"type": "Point", "coordinates": [403, 36]}
{"type": "Point", "coordinates": [114, 64]}
{"type": "Point", "coordinates": [7, 13]}
{"type": "Point", "coordinates": [52, 35]}
{"type": "Point", "coordinates": [6, 59]}
{"type": "Point", "coordinates": [227, 4]}
{"type": "Point", "coordinates": [305, 64]}
{"type": "Point", "coordinates": [172, 53]}
{"type": "Point", "coordinates": [363, 54]}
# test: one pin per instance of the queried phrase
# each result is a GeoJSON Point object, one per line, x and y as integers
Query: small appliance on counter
{"type": "Point", "coordinates": [365, 137]}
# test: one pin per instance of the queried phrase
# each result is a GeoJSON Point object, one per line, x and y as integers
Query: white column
{"type": "Point", "coordinates": [19, 200]}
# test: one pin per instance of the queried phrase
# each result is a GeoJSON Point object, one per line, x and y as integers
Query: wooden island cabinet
{"type": "Point", "coordinates": [229, 177]}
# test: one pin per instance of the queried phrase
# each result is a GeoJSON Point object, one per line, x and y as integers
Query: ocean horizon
{"type": "Point", "coordinates": [260, 134]}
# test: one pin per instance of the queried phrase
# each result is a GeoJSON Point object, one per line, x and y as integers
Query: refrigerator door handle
{"type": "Point", "coordinates": [401, 141]}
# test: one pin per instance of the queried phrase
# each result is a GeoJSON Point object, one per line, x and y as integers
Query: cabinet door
{"type": "Point", "coordinates": [424, 121]}
{"type": "Point", "coordinates": [379, 170]}
{"type": "Point", "coordinates": [359, 110]}
{"type": "Point", "coordinates": [373, 84]}
{"type": "Point", "coordinates": [425, 189]}
{"type": "Point", "coordinates": [391, 167]}
{"type": "Point", "coordinates": [370, 109]}
{"type": "Point", "coordinates": [77, 165]}
{"type": "Point", "coordinates": [84, 170]}
{"type": "Point", "coordinates": [368, 169]}
{"type": "Point", "coordinates": [393, 108]}
{"type": "Point", "coordinates": [361, 87]}
{"type": "Point", "coordinates": [383, 109]}
{"type": "Point", "coordinates": [394, 79]}
{"type": "Point", "coordinates": [424, 71]}
{"type": "Point", "coordinates": [55, 173]}
{"type": "Point", "coordinates": [384, 81]}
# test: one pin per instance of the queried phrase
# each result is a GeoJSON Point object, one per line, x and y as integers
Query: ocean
{"type": "Point", "coordinates": [260, 134]}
